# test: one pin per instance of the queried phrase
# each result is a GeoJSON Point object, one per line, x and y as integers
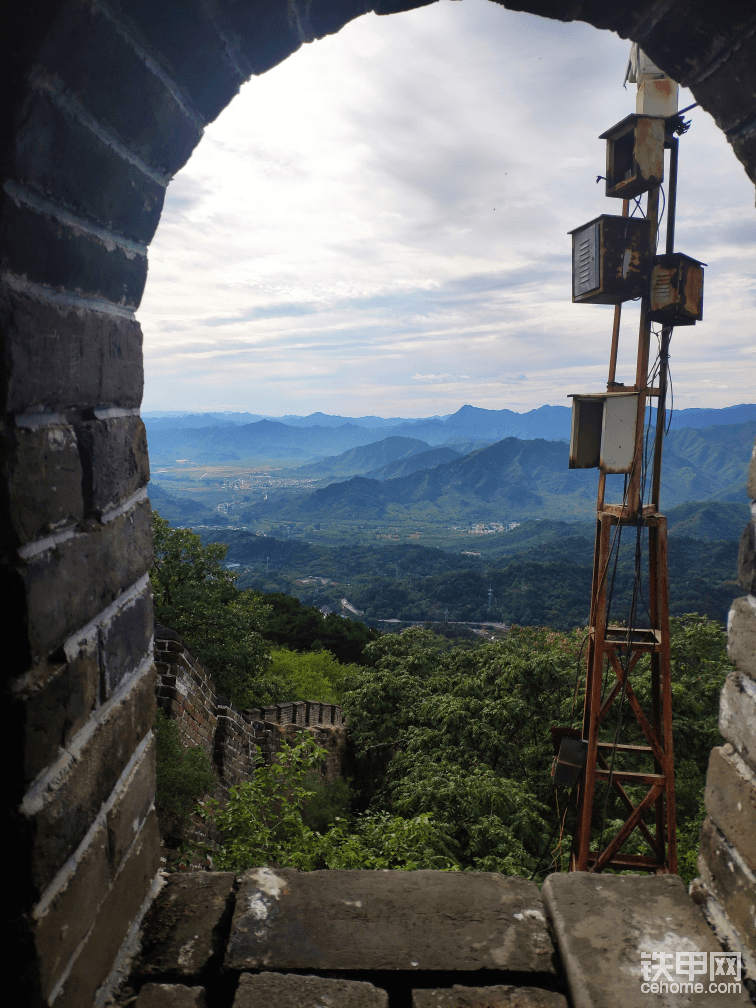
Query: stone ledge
{"type": "Point", "coordinates": [737, 715]}
{"type": "Point", "coordinates": [603, 923]}
{"type": "Point", "coordinates": [487, 997]}
{"type": "Point", "coordinates": [730, 800]}
{"type": "Point", "coordinates": [741, 636]}
{"type": "Point", "coordinates": [388, 920]}
{"type": "Point", "coordinates": [289, 990]}
{"type": "Point", "coordinates": [154, 995]}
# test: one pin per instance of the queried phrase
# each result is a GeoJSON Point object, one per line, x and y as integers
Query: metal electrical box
{"type": "Point", "coordinates": [634, 155]}
{"type": "Point", "coordinates": [610, 259]}
{"type": "Point", "coordinates": [603, 431]}
{"type": "Point", "coordinates": [676, 290]}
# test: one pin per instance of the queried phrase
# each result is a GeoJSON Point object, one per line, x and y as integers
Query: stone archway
{"type": "Point", "coordinates": [106, 100]}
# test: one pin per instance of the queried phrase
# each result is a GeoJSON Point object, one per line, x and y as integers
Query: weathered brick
{"type": "Point", "coordinates": [56, 702]}
{"type": "Point", "coordinates": [497, 996]}
{"type": "Point", "coordinates": [44, 250]}
{"type": "Point", "coordinates": [730, 91]}
{"type": "Point", "coordinates": [60, 158]}
{"type": "Point", "coordinates": [65, 806]}
{"type": "Point", "coordinates": [726, 880]}
{"type": "Point", "coordinates": [70, 914]}
{"type": "Point", "coordinates": [184, 40]}
{"type": "Point", "coordinates": [398, 920]}
{"type": "Point", "coordinates": [69, 584]}
{"type": "Point", "coordinates": [154, 995]}
{"type": "Point", "coordinates": [741, 636]}
{"type": "Point", "coordinates": [751, 485]}
{"type": "Point", "coordinates": [747, 559]}
{"type": "Point", "coordinates": [125, 641]}
{"type": "Point", "coordinates": [287, 990]}
{"type": "Point", "coordinates": [100, 67]}
{"type": "Point", "coordinates": [117, 463]}
{"type": "Point", "coordinates": [265, 32]}
{"type": "Point", "coordinates": [730, 800]}
{"type": "Point", "coordinates": [112, 924]}
{"type": "Point", "coordinates": [737, 715]}
{"type": "Point", "coordinates": [185, 926]}
{"type": "Point", "coordinates": [125, 818]}
{"type": "Point", "coordinates": [90, 358]}
{"type": "Point", "coordinates": [43, 471]}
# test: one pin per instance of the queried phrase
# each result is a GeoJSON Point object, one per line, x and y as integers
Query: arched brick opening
{"type": "Point", "coordinates": [104, 103]}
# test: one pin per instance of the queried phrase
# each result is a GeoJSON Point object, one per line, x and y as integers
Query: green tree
{"type": "Point", "coordinates": [264, 823]}
{"type": "Point", "coordinates": [196, 596]}
{"type": "Point", "coordinates": [309, 675]}
{"type": "Point", "coordinates": [183, 775]}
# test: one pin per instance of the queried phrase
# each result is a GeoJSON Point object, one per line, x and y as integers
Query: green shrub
{"type": "Point", "coordinates": [183, 774]}
{"type": "Point", "coordinates": [263, 823]}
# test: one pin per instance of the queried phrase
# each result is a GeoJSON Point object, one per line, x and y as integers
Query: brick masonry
{"type": "Point", "coordinates": [104, 101]}
{"type": "Point", "coordinates": [236, 740]}
{"type": "Point", "coordinates": [726, 889]}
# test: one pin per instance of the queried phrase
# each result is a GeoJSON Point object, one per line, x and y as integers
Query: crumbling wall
{"type": "Point", "coordinates": [726, 890]}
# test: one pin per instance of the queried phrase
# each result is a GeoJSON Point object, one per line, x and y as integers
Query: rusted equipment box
{"type": "Point", "coordinates": [634, 155]}
{"type": "Point", "coordinates": [610, 259]}
{"type": "Point", "coordinates": [603, 431]}
{"type": "Point", "coordinates": [676, 290]}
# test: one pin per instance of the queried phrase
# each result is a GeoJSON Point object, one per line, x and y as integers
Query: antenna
{"type": "Point", "coordinates": [614, 260]}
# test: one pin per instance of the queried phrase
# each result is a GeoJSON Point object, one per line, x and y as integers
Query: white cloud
{"type": "Point", "coordinates": [399, 194]}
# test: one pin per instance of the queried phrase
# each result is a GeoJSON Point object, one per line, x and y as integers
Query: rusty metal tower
{"type": "Point", "coordinates": [615, 260]}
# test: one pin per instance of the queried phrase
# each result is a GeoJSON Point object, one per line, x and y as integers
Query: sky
{"type": "Point", "coordinates": [378, 225]}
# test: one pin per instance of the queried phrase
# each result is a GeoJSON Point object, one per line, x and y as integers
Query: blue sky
{"type": "Point", "coordinates": [378, 226]}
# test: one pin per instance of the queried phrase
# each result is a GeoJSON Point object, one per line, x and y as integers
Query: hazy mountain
{"type": "Point", "coordinates": [363, 459]}
{"type": "Point", "coordinates": [712, 520]}
{"type": "Point", "coordinates": [514, 478]}
{"type": "Point", "coordinates": [413, 463]}
{"type": "Point", "coordinates": [264, 439]}
{"type": "Point", "coordinates": [205, 438]}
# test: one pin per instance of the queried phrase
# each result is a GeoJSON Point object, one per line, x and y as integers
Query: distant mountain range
{"type": "Point", "coordinates": [514, 478]}
{"type": "Point", "coordinates": [209, 438]}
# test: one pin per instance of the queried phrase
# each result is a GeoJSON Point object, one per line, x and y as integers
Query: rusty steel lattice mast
{"type": "Point", "coordinates": [640, 777]}
{"type": "Point", "coordinates": [618, 649]}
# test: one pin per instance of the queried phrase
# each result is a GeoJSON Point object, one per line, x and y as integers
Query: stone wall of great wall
{"type": "Point", "coordinates": [104, 102]}
{"type": "Point", "coordinates": [235, 740]}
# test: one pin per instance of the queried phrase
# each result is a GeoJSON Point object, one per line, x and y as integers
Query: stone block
{"type": "Point", "coordinates": [730, 90]}
{"type": "Point", "coordinates": [730, 800]}
{"type": "Point", "coordinates": [70, 583]}
{"type": "Point", "coordinates": [603, 924]}
{"type": "Point", "coordinates": [125, 641]}
{"type": "Point", "coordinates": [288, 990]}
{"type": "Point", "coordinates": [90, 356]}
{"type": "Point", "coordinates": [727, 880]}
{"type": "Point", "coordinates": [185, 41]}
{"type": "Point", "coordinates": [741, 636]}
{"type": "Point", "coordinates": [56, 701]}
{"type": "Point", "coordinates": [116, 461]}
{"type": "Point", "coordinates": [44, 480]}
{"type": "Point", "coordinates": [265, 31]}
{"type": "Point", "coordinates": [154, 995]}
{"type": "Point", "coordinates": [116, 915]}
{"type": "Point", "coordinates": [92, 58]}
{"type": "Point", "coordinates": [66, 804]}
{"type": "Point", "coordinates": [48, 251]}
{"type": "Point", "coordinates": [747, 559]}
{"type": "Point", "coordinates": [388, 920]}
{"type": "Point", "coordinates": [60, 158]}
{"type": "Point", "coordinates": [69, 916]}
{"type": "Point", "coordinates": [487, 997]}
{"type": "Point", "coordinates": [126, 817]}
{"type": "Point", "coordinates": [186, 925]}
{"type": "Point", "coordinates": [737, 715]}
